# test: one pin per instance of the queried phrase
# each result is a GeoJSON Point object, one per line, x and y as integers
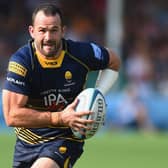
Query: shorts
{"type": "Point", "coordinates": [61, 151]}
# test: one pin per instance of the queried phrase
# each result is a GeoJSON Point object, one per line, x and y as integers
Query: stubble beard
{"type": "Point", "coordinates": [53, 51]}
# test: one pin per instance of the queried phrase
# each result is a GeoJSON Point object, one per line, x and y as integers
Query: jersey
{"type": "Point", "coordinates": [52, 84]}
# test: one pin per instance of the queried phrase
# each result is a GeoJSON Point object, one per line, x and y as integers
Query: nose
{"type": "Point", "coordinates": [48, 35]}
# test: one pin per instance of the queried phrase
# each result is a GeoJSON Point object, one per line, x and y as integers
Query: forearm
{"type": "Point", "coordinates": [108, 77]}
{"type": "Point", "coordinates": [17, 115]}
{"type": "Point", "coordinates": [25, 117]}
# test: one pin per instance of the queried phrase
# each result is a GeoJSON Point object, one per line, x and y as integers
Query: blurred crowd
{"type": "Point", "coordinates": [144, 49]}
{"type": "Point", "coordinates": [145, 45]}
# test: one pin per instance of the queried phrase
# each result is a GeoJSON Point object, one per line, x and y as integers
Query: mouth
{"type": "Point", "coordinates": [49, 43]}
{"type": "Point", "coordinates": [49, 47]}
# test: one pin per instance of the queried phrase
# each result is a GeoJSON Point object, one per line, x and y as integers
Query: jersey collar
{"type": "Point", "coordinates": [53, 63]}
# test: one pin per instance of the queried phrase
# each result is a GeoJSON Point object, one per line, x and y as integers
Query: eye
{"type": "Point", "coordinates": [42, 30]}
{"type": "Point", "coordinates": [54, 30]}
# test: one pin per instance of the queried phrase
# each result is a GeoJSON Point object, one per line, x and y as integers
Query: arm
{"type": "Point", "coordinates": [17, 115]}
{"type": "Point", "coordinates": [107, 77]}
{"type": "Point", "coordinates": [114, 61]}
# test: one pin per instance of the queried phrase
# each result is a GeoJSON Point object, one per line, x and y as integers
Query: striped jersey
{"type": "Point", "coordinates": [52, 84]}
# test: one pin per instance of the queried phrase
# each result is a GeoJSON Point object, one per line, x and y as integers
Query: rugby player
{"type": "Point", "coordinates": [43, 79]}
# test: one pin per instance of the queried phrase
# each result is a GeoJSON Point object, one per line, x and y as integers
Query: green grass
{"type": "Point", "coordinates": [125, 151]}
{"type": "Point", "coordinates": [7, 141]}
{"type": "Point", "coordinates": [110, 150]}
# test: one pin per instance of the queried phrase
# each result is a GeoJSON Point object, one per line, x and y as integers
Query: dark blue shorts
{"type": "Point", "coordinates": [60, 150]}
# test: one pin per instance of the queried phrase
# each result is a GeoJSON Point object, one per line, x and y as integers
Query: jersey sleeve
{"type": "Point", "coordinates": [94, 56]}
{"type": "Point", "coordinates": [98, 57]}
{"type": "Point", "coordinates": [18, 75]}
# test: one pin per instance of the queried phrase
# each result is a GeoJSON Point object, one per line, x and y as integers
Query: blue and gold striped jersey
{"type": "Point", "coordinates": [52, 84]}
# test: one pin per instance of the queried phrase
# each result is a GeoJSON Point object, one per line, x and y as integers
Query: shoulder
{"type": "Point", "coordinates": [78, 47]}
{"type": "Point", "coordinates": [23, 55]}
{"type": "Point", "coordinates": [93, 55]}
{"type": "Point", "coordinates": [85, 47]}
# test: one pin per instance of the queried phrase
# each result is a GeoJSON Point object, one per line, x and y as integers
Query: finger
{"type": "Point", "coordinates": [85, 121]}
{"type": "Point", "coordinates": [89, 121]}
{"type": "Point", "coordinates": [83, 125]}
{"type": "Point", "coordinates": [74, 103]}
{"type": "Point", "coordinates": [79, 126]}
{"type": "Point", "coordinates": [84, 113]}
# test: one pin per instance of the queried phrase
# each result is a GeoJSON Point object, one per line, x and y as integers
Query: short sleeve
{"type": "Point", "coordinates": [17, 77]}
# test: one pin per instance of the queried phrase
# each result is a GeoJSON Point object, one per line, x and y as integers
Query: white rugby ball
{"type": "Point", "coordinates": [91, 99]}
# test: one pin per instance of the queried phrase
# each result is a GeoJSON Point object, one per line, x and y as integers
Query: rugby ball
{"type": "Point", "coordinates": [91, 99]}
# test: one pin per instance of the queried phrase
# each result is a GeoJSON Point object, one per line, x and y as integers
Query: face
{"type": "Point", "coordinates": [47, 33]}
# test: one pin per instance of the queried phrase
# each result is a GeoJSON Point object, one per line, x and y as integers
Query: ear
{"type": "Point", "coordinates": [64, 28]}
{"type": "Point", "coordinates": [31, 31]}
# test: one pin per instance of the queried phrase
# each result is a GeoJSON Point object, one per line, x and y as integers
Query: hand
{"type": "Point", "coordinates": [71, 118]}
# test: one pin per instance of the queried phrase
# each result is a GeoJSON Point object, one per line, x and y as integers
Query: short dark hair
{"type": "Point", "coordinates": [49, 9]}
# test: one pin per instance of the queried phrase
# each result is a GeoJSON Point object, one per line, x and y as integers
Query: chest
{"type": "Point", "coordinates": [64, 82]}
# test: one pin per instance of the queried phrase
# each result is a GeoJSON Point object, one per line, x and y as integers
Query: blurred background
{"type": "Point", "coordinates": [137, 32]}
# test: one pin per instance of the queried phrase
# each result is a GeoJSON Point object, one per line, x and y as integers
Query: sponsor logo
{"type": "Point", "coordinates": [15, 81]}
{"type": "Point", "coordinates": [50, 63]}
{"type": "Point", "coordinates": [17, 68]}
{"type": "Point", "coordinates": [97, 50]}
{"type": "Point", "coordinates": [54, 101]}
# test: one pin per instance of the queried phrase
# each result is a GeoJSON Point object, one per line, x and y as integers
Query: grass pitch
{"type": "Point", "coordinates": [131, 150]}
{"type": "Point", "coordinates": [109, 150]}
